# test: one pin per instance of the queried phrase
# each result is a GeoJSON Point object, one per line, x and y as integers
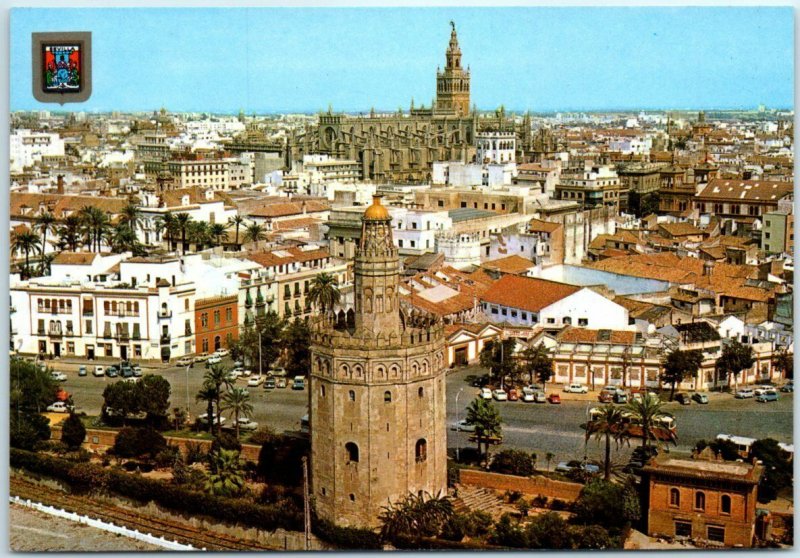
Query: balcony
{"type": "Point", "coordinates": [165, 338]}
{"type": "Point", "coordinates": [40, 331]}
{"type": "Point", "coordinates": [164, 314]}
{"type": "Point", "coordinates": [88, 311]}
{"type": "Point", "coordinates": [55, 333]}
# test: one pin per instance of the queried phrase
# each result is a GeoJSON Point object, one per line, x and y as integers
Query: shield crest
{"type": "Point", "coordinates": [61, 68]}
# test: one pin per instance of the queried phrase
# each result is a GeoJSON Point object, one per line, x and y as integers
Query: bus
{"type": "Point", "coordinates": [665, 427]}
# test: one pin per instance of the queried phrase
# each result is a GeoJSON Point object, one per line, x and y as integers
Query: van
{"type": "Point", "coordinates": [299, 382]}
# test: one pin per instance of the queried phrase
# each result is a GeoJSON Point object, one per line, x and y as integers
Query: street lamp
{"type": "Point", "coordinates": [187, 390]}
{"type": "Point", "coordinates": [458, 428]}
{"type": "Point", "coordinates": [259, 354]}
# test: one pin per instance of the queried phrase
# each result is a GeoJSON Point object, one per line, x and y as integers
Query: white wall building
{"type": "Point", "coordinates": [27, 147]}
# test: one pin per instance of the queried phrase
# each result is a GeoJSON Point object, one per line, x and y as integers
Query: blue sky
{"type": "Point", "coordinates": [300, 60]}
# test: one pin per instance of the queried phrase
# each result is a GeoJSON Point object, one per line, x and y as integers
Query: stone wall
{"type": "Point", "coordinates": [529, 486]}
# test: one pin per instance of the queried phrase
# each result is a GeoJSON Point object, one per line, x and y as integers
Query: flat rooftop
{"type": "Point", "coordinates": [469, 213]}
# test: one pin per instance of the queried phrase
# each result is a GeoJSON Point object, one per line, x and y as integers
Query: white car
{"type": "Point", "coordinates": [185, 361]}
{"type": "Point", "coordinates": [222, 352]}
{"type": "Point", "coordinates": [462, 426]}
{"type": "Point", "coordinates": [485, 393]}
{"type": "Point", "coordinates": [204, 419]}
{"type": "Point", "coordinates": [759, 390]}
{"type": "Point", "coordinates": [99, 371]}
{"type": "Point", "coordinates": [236, 373]}
{"type": "Point", "coordinates": [58, 376]}
{"type": "Point", "coordinates": [214, 359]}
{"type": "Point", "coordinates": [745, 393]}
{"type": "Point", "coordinates": [277, 371]}
{"type": "Point", "coordinates": [500, 395]}
{"type": "Point", "coordinates": [132, 379]}
{"type": "Point", "coordinates": [202, 357]}
{"type": "Point", "coordinates": [576, 388]}
{"type": "Point", "coordinates": [528, 395]}
{"type": "Point", "coordinates": [255, 381]}
{"type": "Point", "coordinates": [244, 424]}
{"type": "Point", "coordinates": [58, 407]}
{"type": "Point", "coordinates": [246, 372]}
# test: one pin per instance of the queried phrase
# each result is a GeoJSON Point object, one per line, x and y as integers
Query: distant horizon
{"type": "Point", "coordinates": [300, 60]}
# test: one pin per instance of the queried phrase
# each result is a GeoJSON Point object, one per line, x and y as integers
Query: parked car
{"type": "Point", "coordinates": [237, 372]}
{"type": "Point", "coordinates": [203, 419]}
{"type": "Point", "coordinates": [462, 426]}
{"type": "Point", "coordinates": [554, 399]}
{"type": "Point", "coordinates": [539, 397]}
{"type": "Point", "coordinates": [185, 361]}
{"type": "Point", "coordinates": [500, 395]}
{"type": "Point", "coordinates": [238, 364]}
{"type": "Point", "coordinates": [280, 383]}
{"type": "Point", "coordinates": [246, 372]}
{"type": "Point", "coordinates": [82, 370]}
{"type": "Point", "coordinates": [569, 466]}
{"type": "Point", "coordinates": [620, 397]}
{"type": "Point", "coordinates": [133, 379]}
{"type": "Point", "coordinates": [244, 424]}
{"type": "Point", "coordinates": [788, 387]}
{"type": "Point", "coordinates": [269, 383]}
{"type": "Point", "coordinates": [576, 388]}
{"type": "Point", "coordinates": [214, 359]}
{"type": "Point", "coordinates": [758, 390]}
{"type": "Point", "coordinates": [485, 393]}
{"type": "Point", "coordinates": [277, 371]}
{"type": "Point", "coordinates": [202, 357]}
{"type": "Point", "coordinates": [299, 382]}
{"type": "Point", "coordinates": [528, 395]}
{"type": "Point", "coordinates": [137, 370]}
{"type": "Point", "coordinates": [59, 407]}
{"type": "Point", "coordinates": [112, 372]}
{"type": "Point", "coordinates": [744, 393]}
{"type": "Point", "coordinates": [58, 376]}
{"type": "Point", "coordinates": [254, 381]}
{"type": "Point", "coordinates": [701, 398]}
{"type": "Point", "coordinates": [683, 398]}
{"type": "Point", "coordinates": [222, 352]}
{"type": "Point", "coordinates": [480, 381]}
{"type": "Point", "coordinates": [513, 395]}
{"type": "Point", "coordinates": [605, 397]}
{"type": "Point", "coordinates": [127, 372]}
{"type": "Point", "coordinates": [99, 371]}
{"type": "Point", "coordinates": [767, 395]}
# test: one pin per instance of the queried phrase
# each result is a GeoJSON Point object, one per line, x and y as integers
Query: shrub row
{"type": "Point", "coordinates": [346, 538]}
{"type": "Point", "coordinates": [85, 476]}
{"type": "Point", "coordinates": [428, 543]}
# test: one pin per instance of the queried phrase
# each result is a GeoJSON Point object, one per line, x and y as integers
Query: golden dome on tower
{"type": "Point", "coordinates": [377, 211]}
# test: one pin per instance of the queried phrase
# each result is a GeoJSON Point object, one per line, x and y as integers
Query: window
{"type": "Point", "coordinates": [421, 392]}
{"type": "Point", "coordinates": [440, 203]}
{"type": "Point", "coordinates": [505, 312]}
{"type": "Point", "coordinates": [551, 320]}
{"type": "Point", "coordinates": [583, 321]}
{"type": "Point", "coordinates": [322, 391]}
{"type": "Point", "coordinates": [683, 529]}
{"type": "Point", "coordinates": [725, 504]}
{"type": "Point", "coordinates": [674, 497]}
{"type": "Point", "coordinates": [566, 320]}
{"type": "Point", "coordinates": [204, 319]}
{"type": "Point", "coordinates": [352, 452]}
{"type": "Point", "coordinates": [421, 450]}
{"type": "Point", "coordinates": [700, 501]}
{"type": "Point", "coordinates": [89, 327]}
{"type": "Point", "coordinates": [716, 534]}
{"type": "Point", "coordinates": [352, 395]}
{"type": "Point", "coordinates": [524, 316]}
{"type": "Point", "coordinates": [387, 396]}
{"type": "Point", "coordinates": [494, 310]}
{"type": "Point", "coordinates": [228, 314]}
{"type": "Point", "coordinates": [352, 497]}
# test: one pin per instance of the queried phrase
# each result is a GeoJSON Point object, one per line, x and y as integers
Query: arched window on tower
{"type": "Point", "coordinates": [700, 501]}
{"type": "Point", "coordinates": [674, 497]}
{"type": "Point", "coordinates": [725, 504]}
{"type": "Point", "coordinates": [421, 450]}
{"type": "Point", "coordinates": [387, 397]}
{"type": "Point", "coordinates": [352, 452]}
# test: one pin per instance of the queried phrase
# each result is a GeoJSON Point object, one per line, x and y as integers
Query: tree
{"type": "Point", "coordinates": [32, 389]}
{"type": "Point", "coordinates": [537, 363]}
{"type": "Point", "coordinates": [27, 242]}
{"type": "Point", "coordinates": [217, 231]}
{"type": "Point", "coordinates": [138, 442]}
{"type": "Point", "coordinates": [735, 358]}
{"type": "Point", "coordinates": [549, 457]}
{"type": "Point", "coordinates": [416, 515]}
{"type": "Point", "coordinates": [614, 506]}
{"type": "Point", "coordinates": [254, 233]}
{"type": "Point", "coordinates": [121, 399]}
{"type": "Point", "coordinates": [296, 343]}
{"type": "Point", "coordinates": [724, 448]}
{"type": "Point", "coordinates": [154, 396]}
{"type": "Point", "coordinates": [280, 459]}
{"type": "Point", "coordinates": [45, 222]}
{"type": "Point", "coordinates": [512, 462]}
{"type": "Point", "coordinates": [548, 531]}
{"type": "Point", "coordinates": [27, 429]}
{"type": "Point", "coordinates": [95, 223]}
{"type": "Point", "coordinates": [73, 432]}
{"type": "Point", "coordinates": [498, 357]}
{"type": "Point", "coordinates": [208, 395]}
{"type": "Point", "coordinates": [486, 419]}
{"type": "Point", "coordinates": [236, 221]}
{"type": "Point", "coordinates": [679, 366]}
{"type": "Point", "coordinates": [237, 400]}
{"type": "Point", "coordinates": [219, 377]}
{"type": "Point", "coordinates": [69, 232]}
{"type": "Point", "coordinates": [592, 537]}
{"type": "Point", "coordinates": [271, 328]}
{"type": "Point", "coordinates": [646, 411]}
{"type": "Point", "coordinates": [226, 475]}
{"type": "Point", "coordinates": [608, 425]}
{"type": "Point", "coordinates": [182, 222]}
{"type": "Point", "coordinates": [199, 234]}
{"type": "Point", "coordinates": [130, 216]}
{"type": "Point", "coordinates": [324, 292]}
{"type": "Point", "coordinates": [169, 225]}
{"type": "Point", "coordinates": [778, 470]}
{"type": "Point", "coordinates": [783, 360]}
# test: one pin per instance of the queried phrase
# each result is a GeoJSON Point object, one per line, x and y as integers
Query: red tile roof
{"type": "Point", "coordinates": [510, 264]}
{"type": "Point", "coordinates": [527, 293]}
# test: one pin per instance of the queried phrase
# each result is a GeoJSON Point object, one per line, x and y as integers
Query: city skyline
{"type": "Point", "coordinates": [348, 71]}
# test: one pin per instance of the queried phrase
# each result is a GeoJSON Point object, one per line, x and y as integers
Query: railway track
{"type": "Point", "coordinates": [88, 506]}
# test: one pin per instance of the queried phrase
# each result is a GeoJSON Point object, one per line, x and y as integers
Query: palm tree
{"type": "Point", "coordinates": [130, 215]}
{"type": "Point", "coordinates": [254, 233]}
{"type": "Point", "coordinates": [70, 231]}
{"type": "Point", "coordinates": [236, 221]}
{"type": "Point", "coordinates": [238, 401]}
{"type": "Point", "coordinates": [484, 416]}
{"type": "Point", "coordinates": [217, 231]}
{"type": "Point", "coordinates": [549, 457]}
{"type": "Point", "coordinates": [608, 424]}
{"type": "Point", "coordinates": [646, 412]}
{"type": "Point", "coordinates": [27, 242]}
{"type": "Point", "coordinates": [208, 395]}
{"type": "Point", "coordinates": [45, 262]}
{"type": "Point", "coordinates": [218, 376]}
{"type": "Point", "coordinates": [324, 292]}
{"type": "Point", "coordinates": [182, 222]}
{"type": "Point", "coordinates": [45, 223]}
{"type": "Point", "coordinates": [169, 224]}
{"type": "Point", "coordinates": [198, 234]}
{"type": "Point", "coordinates": [95, 223]}
{"type": "Point", "coordinates": [416, 515]}
{"type": "Point", "coordinates": [226, 475]}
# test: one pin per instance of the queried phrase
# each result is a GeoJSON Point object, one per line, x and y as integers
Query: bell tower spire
{"type": "Point", "coordinates": [452, 83]}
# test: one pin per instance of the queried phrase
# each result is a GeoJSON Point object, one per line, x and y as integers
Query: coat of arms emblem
{"type": "Point", "coordinates": [62, 68]}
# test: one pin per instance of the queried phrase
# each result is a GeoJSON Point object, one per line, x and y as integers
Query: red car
{"type": "Point", "coordinates": [513, 395]}
{"type": "Point", "coordinates": [605, 397]}
{"type": "Point", "coordinates": [554, 398]}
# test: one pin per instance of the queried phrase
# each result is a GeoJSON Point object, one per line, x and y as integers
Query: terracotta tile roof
{"type": "Point", "coordinates": [58, 204]}
{"type": "Point", "coordinates": [667, 266]}
{"type": "Point", "coordinates": [537, 225]}
{"type": "Point", "coordinates": [745, 190]}
{"type": "Point", "coordinates": [294, 224]}
{"type": "Point", "coordinates": [510, 264]}
{"type": "Point", "coordinates": [582, 335]}
{"type": "Point", "coordinates": [527, 293]}
{"type": "Point", "coordinates": [680, 229]}
{"type": "Point", "coordinates": [716, 252]}
{"type": "Point", "coordinates": [469, 290]}
{"type": "Point", "coordinates": [75, 258]}
{"type": "Point", "coordinates": [293, 255]}
{"type": "Point", "coordinates": [284, 209]}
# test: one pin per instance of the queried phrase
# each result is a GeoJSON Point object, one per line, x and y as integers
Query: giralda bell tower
{"type": "Point", "coordinates": [377, 392]}
{"type": "Point", "coordinates": [452, 84]}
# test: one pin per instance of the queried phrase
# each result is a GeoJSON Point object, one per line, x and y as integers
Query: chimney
{"type": "Point", "coordinates": [60, 184]}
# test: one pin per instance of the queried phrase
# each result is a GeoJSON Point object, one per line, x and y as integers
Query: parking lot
{"type": "Point", "coordinates": [537, 427]}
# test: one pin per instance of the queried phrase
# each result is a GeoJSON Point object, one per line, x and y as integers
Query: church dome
{"type": "Point", "coordinates": [377, 211]}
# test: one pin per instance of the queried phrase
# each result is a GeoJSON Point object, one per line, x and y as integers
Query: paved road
{"type": "Point", "coordinates": [541, 428]}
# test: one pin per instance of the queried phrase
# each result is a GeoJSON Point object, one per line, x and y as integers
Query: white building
{"type": "Point", "coordinates": [495, 147]}
{"type": "Point", "coordinates": [27, 147]}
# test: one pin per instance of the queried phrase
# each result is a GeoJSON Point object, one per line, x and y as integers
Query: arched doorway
{"type": "Point", "coordinates": [217, 343]}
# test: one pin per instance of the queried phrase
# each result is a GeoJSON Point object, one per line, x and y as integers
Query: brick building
{"type": "Point", "coordinates": [216, 322]}
{"type": "Point", "coordinates": [702, 499]}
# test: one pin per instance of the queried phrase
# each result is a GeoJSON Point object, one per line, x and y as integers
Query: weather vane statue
{"type": "Point", "coordinates": [453, 24]}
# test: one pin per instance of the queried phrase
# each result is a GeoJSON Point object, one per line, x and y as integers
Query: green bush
{"type": "Point", "coordinates": [226, 441]}
{"type": "Point", "coordinates": [473, 524]}
{"type": "Point", "coordinates": [73, 432]}
{"type": "Point", "coordinates": [512, 462]}
{"type": "Point", "coordinates": [346, 538]}
{"type": "Point", "coordinates": [614, 506]}
{"type": "Point", "coordinates": [27, 429]}
{"type": "Point", "coordinates": [139, 442]}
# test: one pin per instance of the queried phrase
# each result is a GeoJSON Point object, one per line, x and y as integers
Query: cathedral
{"type": "Point", "coordinates": [402, 147]}
{"type": "Point", "coordinates": [377, 392]}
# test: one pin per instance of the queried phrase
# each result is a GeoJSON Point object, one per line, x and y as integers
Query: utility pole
{"type": "Point", "coordinates": [259, 354]}
{"type": "Point", "coordinates": [306, 506]}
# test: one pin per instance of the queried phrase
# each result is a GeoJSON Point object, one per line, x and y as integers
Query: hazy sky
{"type": "Point", "coordinates": [542, 59]}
